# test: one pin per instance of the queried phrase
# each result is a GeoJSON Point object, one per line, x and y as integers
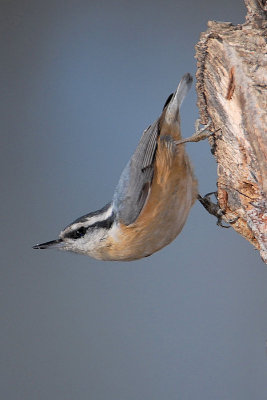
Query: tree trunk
{"type": "Point", "coordinates": [231, 88]}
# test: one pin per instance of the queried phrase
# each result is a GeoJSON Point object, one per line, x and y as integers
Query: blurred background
{"type": "Point", "coordinates": [80, 81]}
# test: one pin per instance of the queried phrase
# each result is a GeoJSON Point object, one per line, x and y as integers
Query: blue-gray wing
{"type": "Point", "coordinates": [136, 178]}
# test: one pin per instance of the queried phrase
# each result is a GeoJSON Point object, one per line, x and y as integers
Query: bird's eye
{"type": "Point", "coordinates": [78, 233]}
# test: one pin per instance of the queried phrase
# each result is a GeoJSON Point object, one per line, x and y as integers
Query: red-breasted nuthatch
{"type": "Point", "coordinates": [152, 200]}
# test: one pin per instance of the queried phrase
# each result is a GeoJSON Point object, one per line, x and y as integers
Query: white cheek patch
{"type": "Point", "coordinates": [87, 244]}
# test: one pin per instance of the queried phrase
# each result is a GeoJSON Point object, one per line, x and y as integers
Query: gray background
{"type": "Point", "coordinates": [80, 80]}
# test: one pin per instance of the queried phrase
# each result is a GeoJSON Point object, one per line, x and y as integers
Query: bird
{"type": "Point", "coordinates": [153, 197]}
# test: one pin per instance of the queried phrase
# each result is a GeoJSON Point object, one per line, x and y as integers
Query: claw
{"type": "Point", "coordinates": [214, 209]}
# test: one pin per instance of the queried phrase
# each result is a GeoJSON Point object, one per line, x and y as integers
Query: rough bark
{"type": "Point", "coordinates": [232, 93]}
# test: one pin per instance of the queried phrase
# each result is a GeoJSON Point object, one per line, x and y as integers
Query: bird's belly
{"type": "Point", "coordinates": [161, 220]}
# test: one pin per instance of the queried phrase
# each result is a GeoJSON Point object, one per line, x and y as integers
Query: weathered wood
{"type": "Point", "coordinates": [232, 92]}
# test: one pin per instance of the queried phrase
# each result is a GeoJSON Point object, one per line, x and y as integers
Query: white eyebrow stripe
{"type": "Point", "coordinates": [102, 216]}
{"type": "Point", "coordinates": [87, 221]}
{"type": "Point", "coordinates": [97, 218]}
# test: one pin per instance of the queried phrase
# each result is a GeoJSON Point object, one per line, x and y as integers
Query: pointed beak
{"type": "Point", "coordinates": [53, 244]}
{"type": "Point", "coordinates": [174, 104]}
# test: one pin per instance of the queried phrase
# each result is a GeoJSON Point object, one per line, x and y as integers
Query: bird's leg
{"type": "Point", "coordinates": [200, 133]}
{"type": "Point", "coordinates": [214, 209]}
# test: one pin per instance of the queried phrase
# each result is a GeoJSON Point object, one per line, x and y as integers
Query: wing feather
{"type": "Point", "coordinates": [135, 181]}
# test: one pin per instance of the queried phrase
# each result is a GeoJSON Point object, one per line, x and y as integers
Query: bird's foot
{"type": "Point", "coordinates": [200, 133]}
{"type": "Point", "coordinates": [214, 209]}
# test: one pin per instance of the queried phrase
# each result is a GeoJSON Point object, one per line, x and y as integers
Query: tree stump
{"type": "Point", "coordinates": [231, 88]}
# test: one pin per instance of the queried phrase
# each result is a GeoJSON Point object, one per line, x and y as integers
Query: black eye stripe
{"type": "Point", "coordinates": [106, 223]}
{"type": "Point", "coordinates": [78, 233]}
